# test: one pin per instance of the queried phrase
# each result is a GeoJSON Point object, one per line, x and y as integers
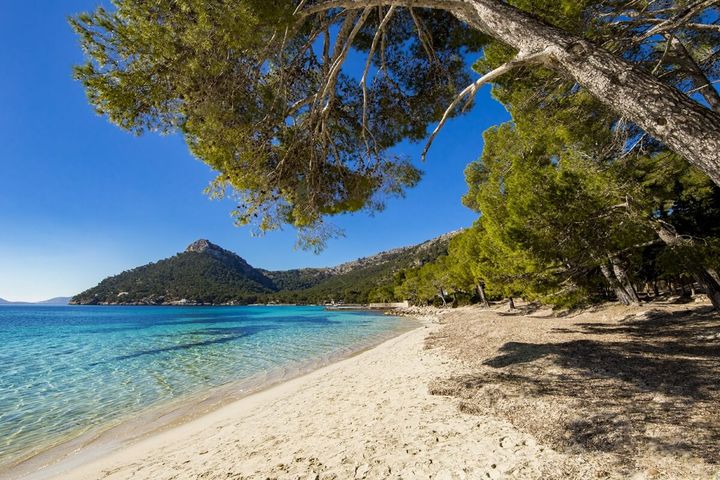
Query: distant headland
{"type": "Point", "coordinates": [50, 301]}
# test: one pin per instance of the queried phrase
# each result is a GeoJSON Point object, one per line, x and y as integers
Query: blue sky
{"type": "Point", "coordinates": [81, 200]}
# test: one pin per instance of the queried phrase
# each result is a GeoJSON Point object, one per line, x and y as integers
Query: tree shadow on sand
{"type": "Point", "coordinates": [648, 382]}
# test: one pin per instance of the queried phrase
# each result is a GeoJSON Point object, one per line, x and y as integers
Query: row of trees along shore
{"type": "Point", "coordinates": [605, 181]}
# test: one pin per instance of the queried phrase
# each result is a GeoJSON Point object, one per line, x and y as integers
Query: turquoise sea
{"type": "Point", "coordinates": [71, 370]}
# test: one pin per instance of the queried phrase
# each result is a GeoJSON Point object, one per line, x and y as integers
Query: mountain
{"type": "Point", "coordinates": [51, 301]}
{"type": "Point", "coordinates": [208, 274]}
{"type": "Point", "coordinates": [203, 274]}
{"type": "Point", "coordinates": [55, 301]}
{"type": "Point", "coordinates": [352, 282]}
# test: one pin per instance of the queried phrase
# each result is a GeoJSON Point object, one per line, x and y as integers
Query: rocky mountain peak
{"type": "Point", "coordinates": [208, 248]}
{"type": "Point", "coordinates": [202, 245]}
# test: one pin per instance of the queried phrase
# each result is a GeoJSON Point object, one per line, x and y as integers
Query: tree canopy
{"type": "Point", "coordinates": [606, 176]}
{"type": "Point", "coordinates": [259, 91]}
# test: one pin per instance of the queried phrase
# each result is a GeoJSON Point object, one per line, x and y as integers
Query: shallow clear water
{"type": "Point", "coordinates": [66, 370]}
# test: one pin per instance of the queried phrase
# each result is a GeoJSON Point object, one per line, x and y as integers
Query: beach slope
{"type": "Point", "coordinates": [369, 416]}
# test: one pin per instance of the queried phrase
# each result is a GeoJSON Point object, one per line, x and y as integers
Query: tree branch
{"type": "Point", "coordinates": [329, 89]}
{"type": "Point", "coordinates": [473, 88]}
{"type": "Point", "coordinates": [678, 19]}
{"type": "Point", "coordinates": [363, 81]}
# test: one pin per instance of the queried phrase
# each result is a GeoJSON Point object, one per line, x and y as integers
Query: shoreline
{"type": "Point", "coordinates": [134, 427]}
{"type": "Point", "coordinates": [470, 393]}
{"type": "Point", "coordinates": [369, 416]}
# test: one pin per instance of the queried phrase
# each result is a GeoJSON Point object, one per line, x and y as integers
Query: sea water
{"type": "Point", "coordinates": [68, 370]}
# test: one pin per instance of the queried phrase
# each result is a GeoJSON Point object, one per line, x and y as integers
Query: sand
{"type": "Point", "coordinates": [625, 392]}
{"type": "Point", "coordinates": [369, 416]}
{"type": "Point", "coordinates": [613, 392]}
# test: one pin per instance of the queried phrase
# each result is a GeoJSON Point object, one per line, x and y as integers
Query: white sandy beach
{"type": "Point", "coordinates": [369, 416]}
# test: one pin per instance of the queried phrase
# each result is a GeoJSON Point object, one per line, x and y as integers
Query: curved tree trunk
{"type": "Point", "coordinates": [512, 303]}
{"type": "Point", "coordinates": [441, 294]}
{"type": "Point", "coordinates": [714, 274]}
{"type": "Point", "coordinates": [612, 280]}
{"type": "Point", "coordinates": [710, 285]}
{"type": "Point", "coordinates": [669, 115]}
{"type": "Point", "coordinates": [683, 291]}
{"type": "Point", "coordinates": [622, 277]}
{"type": "Point", "coordinates": [481, 291]}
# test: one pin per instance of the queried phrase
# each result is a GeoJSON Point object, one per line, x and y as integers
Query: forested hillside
{"type": "Point", "coordinates": [203, 273]}
{"type": "Point", "coordinates": [367, 279]}
{"type": "Point", "coordinates": [208, 274]}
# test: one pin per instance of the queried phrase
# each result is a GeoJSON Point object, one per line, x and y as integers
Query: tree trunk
{"type": "Point", "coordinates": [683, 290]}
{"type": "Point", "coordinates": [619, 290]}
{"type": "Point", "coordinates": [714, 274]}
{"type": "Point", "coordinates": [672, 117]}
{"type": "Point", "coordinates": [481, 292]}
{"type": "Point", "coordinates": [710, 285]}
{"type": "Point", "coordinates": [656, 292]}
{"type": "Point", "coordinates": [512, 303]}
{"type": "Point", "coordinates": [441, 294]}
{"type": "Point", "coordinates": [624, 280]}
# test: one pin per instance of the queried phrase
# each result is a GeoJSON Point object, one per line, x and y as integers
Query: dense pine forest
{"type": "Point", "coordinates": [603, 186]}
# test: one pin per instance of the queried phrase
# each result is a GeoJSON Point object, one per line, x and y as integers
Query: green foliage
{"type": "Point", "coordinates": [558, 197]}
{"type": "Point", "coordinates": [368, 279]}
{"type": "Point", "coordinates": [258, 94]}
{"type": "Point", "coordinates": [248, 85]}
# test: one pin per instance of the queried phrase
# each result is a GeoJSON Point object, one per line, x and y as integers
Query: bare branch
{"type": "Point", "coordinates": [363, 81]}
{"type": "Point", "coordinates": [301, 103]}
{"type": "Point", "coordinates": [472, 89]}
{"type": "Point", "coordinates": [299, 7]}
{"type": "Point", "coordinates": [698, 77]}
{"type": "Point", "coordinates": [329, 89]}
{"type": "Point", "coordinates": [678, 19]}
{"type": "Point", "coordinates": [662, 59]}
{"type": "Point", "coordinates": [424, 37]}
{"type": "Point", "coordinates": [694, 90]}
{"type": "Point", "coordinates": [634, 146]}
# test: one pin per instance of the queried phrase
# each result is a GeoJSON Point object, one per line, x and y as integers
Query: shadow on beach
{"type": "Point", "coordinates": [625, 384]}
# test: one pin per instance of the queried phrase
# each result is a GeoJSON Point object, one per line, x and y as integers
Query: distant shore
{"type": "Point", "coordinates": [328, 306]}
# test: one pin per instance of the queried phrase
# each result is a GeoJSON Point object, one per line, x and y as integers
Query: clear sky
{"type": "Point", "coordinates": [81, 200]}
